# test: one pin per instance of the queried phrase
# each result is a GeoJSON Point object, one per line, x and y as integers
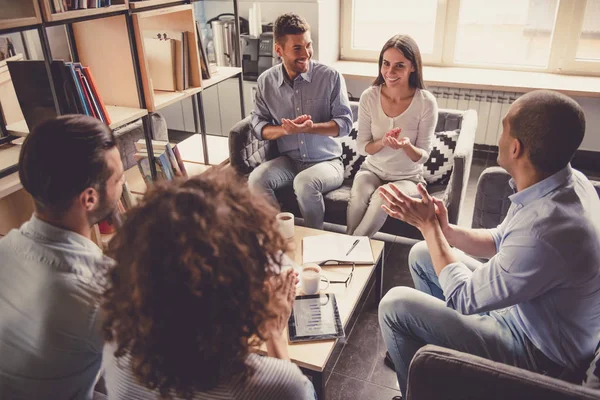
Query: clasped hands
{"type": "Point", "coordinates": [301, 124]}
{"type": "Point", "coordinates": [393, 140]}
{"type": "Point", "coordinates": [422, 213]}
{"type": "Point", "coordinates": [281, 290]}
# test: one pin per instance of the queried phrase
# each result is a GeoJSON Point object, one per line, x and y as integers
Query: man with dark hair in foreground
{"type": "Point", "coordinates": [50, 336]}
{"type": "Point", "coordinates": [536, 303]}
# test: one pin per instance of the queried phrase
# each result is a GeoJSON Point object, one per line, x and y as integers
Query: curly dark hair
{"type": "Point", "coordinates": [289, 24]}
{"type": "Point", "coordinates": [186, 298]}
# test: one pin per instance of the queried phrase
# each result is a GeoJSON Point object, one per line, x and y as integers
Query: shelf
{"type": "Point", "coordinates": [222, 74]}
{"type": "Point", "coordinates": [9, 155]}
{"type": "Point", "coordinates": [150, 3]}
{"type": "Point", "coordinates": [191, 149]}
{"type": "Point", "coordinates": [119, 116]}
{"type": "Point", "coordinates": [163, 99]}
{"type": "Point", "coordinates": [10, 184]}
{"type": "Point", "coordinates": [50, 16]}
{"type": "Point", "coordinates": [177, 18]}
{"type": "Point", "coordinates": [21, 14]}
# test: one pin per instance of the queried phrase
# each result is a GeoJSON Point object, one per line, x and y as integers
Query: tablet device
{"type": "Point", "coordinates": [315, 317]}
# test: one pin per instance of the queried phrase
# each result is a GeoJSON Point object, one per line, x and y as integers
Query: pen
{"type": "Point", "coordinates": [353, 246]}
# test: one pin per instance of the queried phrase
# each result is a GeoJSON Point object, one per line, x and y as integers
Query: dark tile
{"type": "Point", "coordinates": [382, 375]}
{"type": "Point", "coordinates": [360, 352]}
{"type": "Point", "coordinates": [342, 387]}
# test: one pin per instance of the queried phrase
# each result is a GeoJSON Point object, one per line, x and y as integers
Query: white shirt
{"type": "Point", "coordinates": [50, 320]}
{"type": "Point", "coordinates": [417, 122]}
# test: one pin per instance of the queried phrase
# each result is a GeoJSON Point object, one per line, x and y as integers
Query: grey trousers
{"type": "Point", "coordinates": [310, 181]}
{"type": "Point", "coordinates": [364, 216]}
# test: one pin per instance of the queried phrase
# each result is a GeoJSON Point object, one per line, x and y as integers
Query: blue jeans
{"type": "Point", "coordinates": [410, 319]}
{"type": "Point", "coordinates": [310, 181]}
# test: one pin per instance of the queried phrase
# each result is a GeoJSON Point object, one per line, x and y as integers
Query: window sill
{"type": "Point", "coordinates": [486, 79]}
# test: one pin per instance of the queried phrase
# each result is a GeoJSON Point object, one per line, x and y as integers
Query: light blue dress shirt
{"type": "Point", "coordinates": [320, 92]}
{"type": "Point", "coordinates": [50, 337]}
{"type": "Point", "coordinates": [547, 267]}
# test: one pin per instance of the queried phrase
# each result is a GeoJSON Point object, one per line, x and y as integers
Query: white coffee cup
{"type": "Point", "coordinates": [285, 222]}
{"type": "Point", "coordinates": [311, 278]}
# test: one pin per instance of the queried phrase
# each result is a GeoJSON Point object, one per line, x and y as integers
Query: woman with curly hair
{"type": "Point", "coordinates": [195, 289]}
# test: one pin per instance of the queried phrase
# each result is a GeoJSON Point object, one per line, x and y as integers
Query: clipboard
{"type": "Point", "coordinates": [315, 317]}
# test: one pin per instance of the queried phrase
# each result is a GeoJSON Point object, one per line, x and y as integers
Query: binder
{"type": "Point", "coordinates": [160, 55]}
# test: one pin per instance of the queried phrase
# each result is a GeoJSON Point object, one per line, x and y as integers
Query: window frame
{"type": "Point", "coordinates": [563, 47]}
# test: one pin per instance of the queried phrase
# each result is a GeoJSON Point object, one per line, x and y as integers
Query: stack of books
{"type": "Point", "coordinates": [76, 90]}
{"type": "Point", "coordinates": [169, 163]}
{"type": "Point", "coordinates": [68, 5]}
{"type": "Point", "coordinates": [167, 54]}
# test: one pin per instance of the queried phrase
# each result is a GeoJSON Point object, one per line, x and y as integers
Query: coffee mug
{"type": "Point", "coordinates": [285, 222]}
{"type": "Point", "coordinates": [311, 278]}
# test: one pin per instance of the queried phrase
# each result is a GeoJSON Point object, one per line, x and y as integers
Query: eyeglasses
{"type": "Point", "coordinates": [348, 279]}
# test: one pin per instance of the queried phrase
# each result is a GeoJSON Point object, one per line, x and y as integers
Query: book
{"type": "Point", "coordinates": [173, 160]}
{"type": "Point", "coordinates": [159, 146]}
{"type": "Point", "coordinates": [180, 160]}
{"type": "Point", "coordinates": [335, 247]}
{"type": "Point", "coordinates": [202, 51]}
{"type": "Point", "coordinates": [96, 94]}
{"type": "Point", "coordinates": [144, 166]}
{"type": "Point", "coordinates": [78, 88]}
{"type": "Point", "coordinates": [165, 166]}
{"type": "Point", "coordinates": [32, 87]}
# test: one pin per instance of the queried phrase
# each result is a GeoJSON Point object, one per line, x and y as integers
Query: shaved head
{"type": "Point", "coordinates": [550, 126]}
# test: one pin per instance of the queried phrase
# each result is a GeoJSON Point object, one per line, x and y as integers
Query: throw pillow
{"type": "Point", "coordinates": [438, 168]}
{"type": "Point", "coordinates": [350, 157]}
{"type": "Point", "coordinates": [592, 376]}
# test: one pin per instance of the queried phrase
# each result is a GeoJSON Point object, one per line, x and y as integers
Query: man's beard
{"type": "Point", "coordinates": [105, 208]}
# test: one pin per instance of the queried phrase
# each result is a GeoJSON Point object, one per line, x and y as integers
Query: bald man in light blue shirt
{"type": "Point", "coordinates": [536, 303]}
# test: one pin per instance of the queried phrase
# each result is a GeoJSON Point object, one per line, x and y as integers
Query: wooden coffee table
{"type": "Point", "coordinates": [312, 357]}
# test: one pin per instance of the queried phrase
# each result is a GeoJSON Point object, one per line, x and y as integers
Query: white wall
{"type": "Point", "coordinates": [590, 105]}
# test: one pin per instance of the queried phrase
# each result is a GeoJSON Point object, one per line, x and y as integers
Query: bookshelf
{"type": "Point", "coordinates": [139, 5]}
{"type": "Point", "coordinates": [109, 41]}
{"type": "Point", "coordinates": [50, 16]}
{"type": "Point", "coordinates": [19, 14]}
{"type": "Point", "coordinates": [176, 18]}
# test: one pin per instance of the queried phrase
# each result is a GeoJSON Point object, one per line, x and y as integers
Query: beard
{"type": "Point", "coordinates": [105, 209]}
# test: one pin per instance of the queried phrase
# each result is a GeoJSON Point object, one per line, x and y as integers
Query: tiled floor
{"type": "Point", "coordinates": [359, 372]}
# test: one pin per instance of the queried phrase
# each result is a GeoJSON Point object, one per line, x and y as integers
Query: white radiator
{"type": "Point", "coordinates": [491, 107]}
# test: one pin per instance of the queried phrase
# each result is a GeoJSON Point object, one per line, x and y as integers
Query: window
{"type": "Point", "coordinates": [588, 47]}
{"type": "Point", "coordinates": [373, 22]}
{"type": "Point", "coordinates": [539, 35]}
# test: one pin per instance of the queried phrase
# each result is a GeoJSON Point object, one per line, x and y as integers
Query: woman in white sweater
{"type": "Point", "coordinates": [396, 124]}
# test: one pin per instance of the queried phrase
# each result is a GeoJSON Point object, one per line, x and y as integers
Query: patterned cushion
{"type": "Point", "coordinates": [592, 378]}
{"type": "Point", "coordinates": [352, 160]}
{"type": "Point", "coordinates": [438, 168]}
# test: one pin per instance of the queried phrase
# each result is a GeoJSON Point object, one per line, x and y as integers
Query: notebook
{"type": "Point", "coordinates": [335, 247]}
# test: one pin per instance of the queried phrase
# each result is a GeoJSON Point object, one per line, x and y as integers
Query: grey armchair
{"type": "Point", "coordinates": [437, 373]}
{"type": "Point", "coordinates": [246, 153]}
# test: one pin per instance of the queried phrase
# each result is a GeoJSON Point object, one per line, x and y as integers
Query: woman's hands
{"type": "Point", "coordinates": [282, 292]}
{"type": "Point", "coordinates": [393, 140]}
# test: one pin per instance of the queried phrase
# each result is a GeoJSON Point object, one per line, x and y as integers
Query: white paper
{"type": "Point", "coordinates": [334, 247]}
